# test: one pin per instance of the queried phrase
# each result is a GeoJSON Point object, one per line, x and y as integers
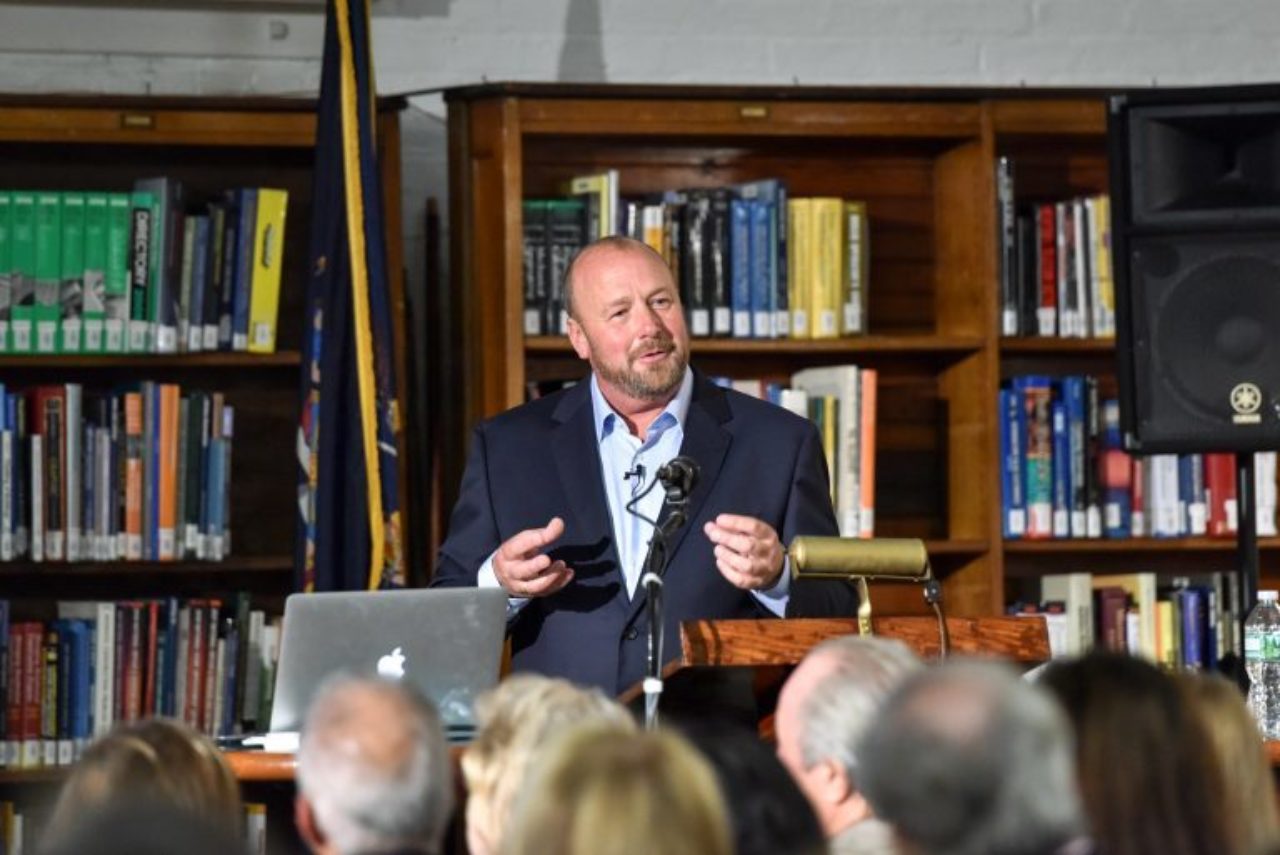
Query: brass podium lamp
{"type": "Point", "coordinates": [858, 561]}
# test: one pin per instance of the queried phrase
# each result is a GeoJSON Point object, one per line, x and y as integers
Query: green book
{"type": "Point", "coordinates": [48, 234]}
{"type": "Point", "coordinates": [116, 303]}
{"type": "Point", "coordinates": [6, 266]}
{"type": "Point", "coordinates": [95, 270]}
{"type": "Point", "coordinates": [22, 316]}
{"type": "Point", "coordinates": [71, 294]}
{"type": "Point", "coordinates": [144, 266]}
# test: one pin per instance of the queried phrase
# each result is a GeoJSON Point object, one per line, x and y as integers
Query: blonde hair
{"type": "Point", "coordinates": [601, 792]}
{"type": "Point", "coordinates": [516, 719]}
{"type": "Point", "coordinates": [1248, 792]}
{"type": "Point", "coordinates": [156, 760]}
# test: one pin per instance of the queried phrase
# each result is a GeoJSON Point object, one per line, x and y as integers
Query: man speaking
{"type": "Point", "coordinates": [553, 505]}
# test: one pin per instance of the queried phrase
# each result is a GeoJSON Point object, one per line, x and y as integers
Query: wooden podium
{"type": "Point", "coordinates": [734, 668]}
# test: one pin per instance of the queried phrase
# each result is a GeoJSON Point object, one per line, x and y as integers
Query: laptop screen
{"type": "Point", "coordinates": [446, 642]}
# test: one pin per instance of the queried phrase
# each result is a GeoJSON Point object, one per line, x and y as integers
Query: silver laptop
{"type": "Point", "coordinates": [446, 642]}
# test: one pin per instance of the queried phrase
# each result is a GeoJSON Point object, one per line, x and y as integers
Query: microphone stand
{"type": "Point", "coordinates": [655, 566]}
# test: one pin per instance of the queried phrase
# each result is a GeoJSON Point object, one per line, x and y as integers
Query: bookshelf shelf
{"type": "Point", "coordinates": [1057, 346]}
{"type": "Point", "coordinates": [1131, 546]}
{"type": "Point", "coordinates": [236, 565]}
{"type": "Point", "coordinates": [143, 362]}
{"type": "Point", "coordinates": [942, 346]}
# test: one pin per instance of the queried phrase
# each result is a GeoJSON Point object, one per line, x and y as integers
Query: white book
{"type": "Point", "coordinates": [73, 469]}
{"type": "Point", "coordinates": [6, 493]}
{"type": "Point", "coordinates": [841, 381]}
{"type": "Point", "coordinates": [1081, 259]}
{"type": "Point", "coordinates": [1264, 470]}
{"type": "Point", "coordinates": [255, 828]}
{"type": "Point", "coordinates": [796, 401]}
{"type": "Point", "coordinates": [37, 497]}
{"type": "Point", "coordinates": [1075, 592]}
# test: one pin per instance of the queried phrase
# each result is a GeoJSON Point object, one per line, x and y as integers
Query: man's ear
{"type": "Point", "coordinates": [578, 339]}
{"type": "Point", "coordinates": [833, 783]}
{"type": "Point", "coordinates": [304, 818]}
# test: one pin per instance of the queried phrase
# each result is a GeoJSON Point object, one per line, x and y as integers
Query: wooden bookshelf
{"type": "Point", "coordinates": [209, 144]}
{"type": "Point", "coordinates": [924, 162]}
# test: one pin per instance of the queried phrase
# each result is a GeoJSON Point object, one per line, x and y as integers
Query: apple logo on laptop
{"type": "Point", "coordinates": [391, 666]}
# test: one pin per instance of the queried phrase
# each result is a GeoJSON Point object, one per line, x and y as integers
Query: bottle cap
{"type": "Point", "coordinates": [1267, 596]}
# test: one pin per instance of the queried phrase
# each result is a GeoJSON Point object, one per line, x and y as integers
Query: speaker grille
{"type": "Point", "coordinates": [1206, 341]}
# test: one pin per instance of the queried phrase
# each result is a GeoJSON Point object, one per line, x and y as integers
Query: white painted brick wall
{"type": "Point", "coordinates": [430, 43]}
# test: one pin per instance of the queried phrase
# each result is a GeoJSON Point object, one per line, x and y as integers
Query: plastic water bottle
{"type": "Point", "coordinates": [1262, 661]}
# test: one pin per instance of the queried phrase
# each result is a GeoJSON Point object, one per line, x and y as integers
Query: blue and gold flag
{"type": "Point", "coordinates": [348, 498]}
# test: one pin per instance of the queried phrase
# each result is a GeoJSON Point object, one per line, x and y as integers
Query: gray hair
{"type": "Point", "coordinates": [967, 759]}
{"type": "Point", "coordinates": [840, 707]}
{"type": "Point", "coordinates": [374, 765]}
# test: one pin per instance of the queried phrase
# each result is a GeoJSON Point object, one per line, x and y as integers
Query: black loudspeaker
{"type": "Point", "coordinates": [1195, 194]}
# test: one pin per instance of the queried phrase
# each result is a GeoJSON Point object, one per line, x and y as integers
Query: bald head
{"type": "Point", "coordinates": [374, 766]}
{"type": "Point", "coordinates": [583, 264]}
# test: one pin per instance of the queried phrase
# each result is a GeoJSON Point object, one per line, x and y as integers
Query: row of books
{"type": "Point", "coordinates": [1056, 273]}
{"type": "Point", "coordinates": [137, 475]}
{"type": "Point", "coordinates": [206, 662]}
{"type": "Point", "coordinates": [1064, 473]}
{"type": "Point", "coordinates": [841, 401]}
{"type": "Point", "coordinates": [1184, 622]}
{"type": "Point", "coordinates": [750, 262]}
{"type": "Point", "coordinates": [18, 836]}
{"type": "Point", "coordinates": [140, 272]}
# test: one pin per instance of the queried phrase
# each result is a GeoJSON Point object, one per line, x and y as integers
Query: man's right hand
{"type": "Point", "coordinates": [524, 570]}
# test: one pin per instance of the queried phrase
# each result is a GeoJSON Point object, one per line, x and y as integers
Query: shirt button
{"type": "Point", "coordinates": [632, 634]}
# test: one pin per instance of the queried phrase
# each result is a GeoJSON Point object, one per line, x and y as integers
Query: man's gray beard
{"type": "Point", "coordinates": [636, 385]}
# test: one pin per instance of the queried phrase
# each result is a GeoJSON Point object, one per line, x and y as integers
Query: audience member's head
{"type": "Point", "coordinates": [155, 761]}
{"type": "Point", "coordinates": [373, 770]}
{"type": "Point", "coordinates": [768, 813]}
{"type": "Point", "coordinates": [152, 828]}
{"type": "Point", "coordinates": [515, 721]}
{"type": "Point", "coordinates": [1248, 793]}
{"type": "Point", "coordinates": [601, 791]}
{"type": "Point", "coordinates": [1147, 775]}
{"type": "Point", "coordinates": [823, 710]}
{"type": "Point", "coordinates": [1146, 770]}
{"type": "Point", "coordinates": [965, 758]}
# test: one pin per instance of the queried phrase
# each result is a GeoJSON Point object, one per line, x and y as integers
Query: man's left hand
{"type": "Point", "coordinates": [748, 552]}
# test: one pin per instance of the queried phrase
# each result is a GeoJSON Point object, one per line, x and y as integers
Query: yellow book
{"type": "Point", "coordinates": [830, 433]}
{"type": "Point", "coordinates": [827, 251]}
{"type": "Point", "coordinates": [1166, 638]}
{"type": "Point", "coordinates": [268, 257]}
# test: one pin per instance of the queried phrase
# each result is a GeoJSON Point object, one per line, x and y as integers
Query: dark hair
{"type": "Point", "coordinates": [1144, 761]}
{"type": "Point", "coordinates": [769, 814]}
{"type": "Point", "coordinates": [144, 828]}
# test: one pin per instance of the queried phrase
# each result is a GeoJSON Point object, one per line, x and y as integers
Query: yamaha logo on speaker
{"type": "Point", "coordinates": [1246, 400]}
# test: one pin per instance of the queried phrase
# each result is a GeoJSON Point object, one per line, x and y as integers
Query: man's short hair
{"type": "Point", "coordinates": [968, 759]}
{"type": "Point", "coordinates": [618, 243]}
{"type": "Point", "coordinates": [374, 765]}
{"type": "Point", "coordinates": [840, 707]}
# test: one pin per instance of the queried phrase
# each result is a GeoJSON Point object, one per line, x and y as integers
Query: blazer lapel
{"type": "Point", "coordinates": [707, 442]}
{"type": "Point", "coordinates": [577, 454]}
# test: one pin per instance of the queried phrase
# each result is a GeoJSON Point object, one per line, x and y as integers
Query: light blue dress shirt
{"type": "Point", "coordinates": [622, 453]}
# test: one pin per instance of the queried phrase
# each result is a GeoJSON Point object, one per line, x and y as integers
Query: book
{"type": "Point", "coordinates": [94, 283]}
{"type": "Point", "coordinates": [72, 271]}
{"type": "Point", "coordinates": [268, 261]}
{"type": "Point", "coordinates": [22, 314]}
{"type": "Point", "coordinates": [6, 267]}
{"type": "Point", "coordinates": [118, 273]}
{"type": "Point", "coordinates": [857, 264]}
{"type": "Point", "coordinates": [48, 270]}
{"type": "Point", "coordinates": [1075, 592]}
{"type": "Point", "coordinates": [166, 266]}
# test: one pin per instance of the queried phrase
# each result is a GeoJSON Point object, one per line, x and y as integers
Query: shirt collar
{"type": "Point", "coordinates": [606, 417]}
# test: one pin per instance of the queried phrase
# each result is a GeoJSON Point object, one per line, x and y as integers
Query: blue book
{"type": "Point", "coordinates": [231, 655]}
{"type": "Point", "coordinates": [1194, 624]}
{"type": "Point", "coordinates": [740, 267]}
{"type": "Point", "coordinates": [168, 699]}
{"type": "Point", "coordinates": [247, 205]}
{"type": "Point", "coordinates": [81, 690]}
{"type": "Point", "coordinates": [773, 193]}
{"type": "Point", "coordinates": [1073, 397]}
{"type": "Point", "coordinates": [200, 245]}
{"type": "Point", "coordinates": [1117, 494]}
{"type": "Point", "coordinates": [763, 293]}
{"type": "Point", "coordinates": [1061, 472]}
{"type": "Point", "coordinates": [1013, 499]}
{"type": "Point", "coordinates": [1186, 487]}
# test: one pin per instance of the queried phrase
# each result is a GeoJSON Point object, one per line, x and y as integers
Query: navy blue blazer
{"type": "Point", "coordinates": [542, 460]}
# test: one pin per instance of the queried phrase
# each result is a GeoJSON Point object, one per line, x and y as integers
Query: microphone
{"type": "Point", "coordinates": [679, 476]}
{"type": "Point", "coordinates": [636, 472]}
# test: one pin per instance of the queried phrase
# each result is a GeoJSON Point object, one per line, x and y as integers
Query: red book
{"type": "Point", "coordinates": [150, 614]}
{"type": "Point", "coordinates": [32, 692]}
{"type": "Point", "coordinates": [1220, 491]}
{"type": "Point", "coordinates": [1140, 525]}
{"type": "Point", "coordinates": [1046, 218]}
